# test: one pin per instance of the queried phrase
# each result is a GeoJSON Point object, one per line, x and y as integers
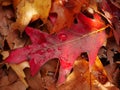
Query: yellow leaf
{"type": "Point", "coordinates": [27, 10]}
{"type": "Point", "coordinates": [18, 68]}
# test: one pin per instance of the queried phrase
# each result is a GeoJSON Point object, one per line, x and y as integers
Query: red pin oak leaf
{"type": "Point", "coordinates": [66, 45]}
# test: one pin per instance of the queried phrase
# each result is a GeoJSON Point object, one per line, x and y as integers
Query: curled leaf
{"type": "Point", "coordinates": [65, 13]}
{"type": "Point", "coordinates": [27, 10]}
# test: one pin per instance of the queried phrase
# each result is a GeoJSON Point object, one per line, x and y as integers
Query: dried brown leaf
{"type": "Point", "coordinates": [4, 81]}
{"type": "Point", "coordinates": [35, 83]}
{"type": "Point", "coordinates": [15, 40]}
{"type": "Point", "coordinates": [5, 15]}
{"type": "Point", "coordinates": [12, 76]}
{"type": "Point", "coordinates": [15, 86]}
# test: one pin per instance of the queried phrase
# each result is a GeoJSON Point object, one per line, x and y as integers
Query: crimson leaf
{"type": "Point", "coordinates": [66, 45]}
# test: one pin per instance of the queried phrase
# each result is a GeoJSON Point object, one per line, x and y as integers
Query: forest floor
{"type": "Point", "coordinates": [104, 74]}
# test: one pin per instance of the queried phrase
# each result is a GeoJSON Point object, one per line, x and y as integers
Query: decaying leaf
{"type": "Point", "coordinates": [27, 10]}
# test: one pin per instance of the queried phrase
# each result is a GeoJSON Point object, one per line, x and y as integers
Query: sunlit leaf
{"type": "Point", "coordinates": [27, 10]}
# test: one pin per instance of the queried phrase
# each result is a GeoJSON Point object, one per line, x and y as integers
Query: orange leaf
{"type": "Point", "coordinates": [66, 11]}
{"type": "Point", "coordinates": [82, 79]}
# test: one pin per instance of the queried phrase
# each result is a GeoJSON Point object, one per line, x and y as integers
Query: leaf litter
{"type": "Point", "coordinates": [67, 39]}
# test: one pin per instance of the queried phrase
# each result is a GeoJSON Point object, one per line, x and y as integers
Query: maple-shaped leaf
{"type": "Point", "coordinates": [65, 12]}
{"type": "Point", "coordinates": [66, 45]}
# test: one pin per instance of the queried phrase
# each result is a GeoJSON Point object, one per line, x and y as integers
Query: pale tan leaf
{"type": "Point", "coordinates": [18, 68]}
{"type": "Point", "coordinates": [28, 10]}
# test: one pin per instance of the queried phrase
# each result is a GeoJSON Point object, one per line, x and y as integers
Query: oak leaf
{"type": "Point", "coordinates": [66, 45]}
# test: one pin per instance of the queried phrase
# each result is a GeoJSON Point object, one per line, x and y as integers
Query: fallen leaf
{"type": "Point", "coordinates": [18, 68]}
{"type": "Point", "coordinates": [12, 38]}
{"type": "Point", "coordinates": [28, 10]}
{"type": "Point", "coordinates": [49, 83]}
{"type": "Point", "coordinates": [90, 25]}
{"type": "Point", "coordinates": [49, 73]}
{"type": "Point", "coordinates": [116, 3]}
{"type": "Point", "coordinates": [6, 2]}
{"type": "Point", "coordinates": [63, 45]}
{"type": "Point", "coordinates": [4, 81]}
{"type": "Point", "coordinates": [12, 76]}
{"type": "Point", "coordinates": [35, 83]}
{"type": "Point", "coordinates": [50, 68]}
{"type": "Point", "coordinates": [99, 72]}
{"type": "Point", "coordinates": [65, 13]}
{"type": "Point", "coordinates": [5, 16]}
{"type": "Point", "coordinates": [112, 13]}
{"type": "Point", "coordinates": [16, 86]}
{"type": "Point", "coordinates": [15, 39]}
{"type": "Point", "coordinates": [82, 79]}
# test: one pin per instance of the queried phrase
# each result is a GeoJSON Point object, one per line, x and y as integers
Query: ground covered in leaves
{"type": "Point", "coordinates": [59, 45]}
